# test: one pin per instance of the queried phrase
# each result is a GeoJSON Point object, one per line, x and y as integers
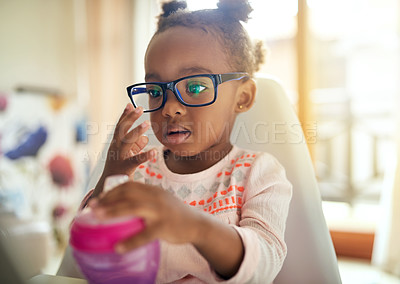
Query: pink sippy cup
{"type": "Point", "coordinates": [93, 242]}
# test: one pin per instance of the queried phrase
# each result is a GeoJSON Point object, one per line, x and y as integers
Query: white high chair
{"type": "Point", "coordinates": [272, 126]}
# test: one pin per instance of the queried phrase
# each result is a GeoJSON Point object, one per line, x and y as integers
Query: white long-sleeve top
{"type": "Point", "coordinates": [247, 190]}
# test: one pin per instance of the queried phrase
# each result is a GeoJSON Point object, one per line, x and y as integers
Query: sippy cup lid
{"type": "Point", "coordinates": [89, 235]}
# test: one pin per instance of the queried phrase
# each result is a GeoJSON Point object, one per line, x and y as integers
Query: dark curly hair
{"type": "Point", "coordinates": [223, 22]}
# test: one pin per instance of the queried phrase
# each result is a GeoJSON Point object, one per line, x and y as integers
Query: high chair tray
{"type": "Point", "coordinates": [51, 279]}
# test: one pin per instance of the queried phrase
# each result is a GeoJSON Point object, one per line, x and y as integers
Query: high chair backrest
{"type": "Point", "coordinates": [272, 126]}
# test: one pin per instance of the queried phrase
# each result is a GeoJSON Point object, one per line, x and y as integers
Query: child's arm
{"type": "Point", "coordinates": [220, 245]}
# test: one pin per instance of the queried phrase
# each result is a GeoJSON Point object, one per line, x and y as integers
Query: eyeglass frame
{"type": "Point", "coordinates": [217, 79]}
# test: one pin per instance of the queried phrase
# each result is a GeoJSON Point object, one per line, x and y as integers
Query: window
{"type": "Point", "coordinates": [356, 63]}
{"type": "Point", "coordinates": [353, 70]}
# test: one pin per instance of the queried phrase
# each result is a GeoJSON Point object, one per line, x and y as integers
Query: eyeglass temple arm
{"type": "Point", "coordinates": [230, 76]}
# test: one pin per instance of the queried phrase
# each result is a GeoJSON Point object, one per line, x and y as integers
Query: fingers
{"type": "Point", "coordinates": [132, 142]}
{"type": "Point", "coordinates": [127, 109]}
{"type": "Point", "coordinates": [129, 116]}
{"type": "Point", "coordinates": [126, 195]}
{"type": "Point", "coordinates": [126, 144]}
{"type": "Point", "coordinates": [124, 208]}
{"type": "Point", "coordinates": [136, 160]}
{"type": "Point", "coordinates": [113, 210]}
{"type": "Point", "coordinates": [165, 216]}
{"type": "Point", "coordinates": [131, 160]}
{"type": "Point", "coordinates": [139, 145]}
{"type": "Point", "coordinates": [114, 204]}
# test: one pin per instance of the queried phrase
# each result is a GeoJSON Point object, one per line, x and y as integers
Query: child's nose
{"type": "Point", "coordinates": [172, 106]}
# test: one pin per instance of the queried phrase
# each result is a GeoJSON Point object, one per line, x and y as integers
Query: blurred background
{"type": "Point", "coordinates": [65, 64]}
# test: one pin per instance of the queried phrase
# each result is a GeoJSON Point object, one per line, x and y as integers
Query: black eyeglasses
{"type": "Point", "coordinates": [192, 91]}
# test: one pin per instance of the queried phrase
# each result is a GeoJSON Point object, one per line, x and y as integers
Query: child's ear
{"type": "Point", "coordinates": [246, 94]}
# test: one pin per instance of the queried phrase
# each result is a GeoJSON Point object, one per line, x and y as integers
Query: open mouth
{"type": "Point", "coordinates": [177, 135]}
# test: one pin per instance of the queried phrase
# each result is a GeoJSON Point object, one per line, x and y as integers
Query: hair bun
{"type": "Point", "coordinates": [236, 9]}
{"type": "Point", "coordinates": [171, 7]}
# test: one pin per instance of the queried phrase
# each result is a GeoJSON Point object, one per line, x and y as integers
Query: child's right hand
{"type": "Point", "coordinates": [124, 155]}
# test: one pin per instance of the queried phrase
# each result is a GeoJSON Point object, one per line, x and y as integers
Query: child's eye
{"type": "Point", "coordinates": [154, 92]}
{"type": "Point", "coordinates": [195, 88]}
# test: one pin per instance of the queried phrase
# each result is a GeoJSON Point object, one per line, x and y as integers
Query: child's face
{"type": "Point", "coordinates": [188, 131]}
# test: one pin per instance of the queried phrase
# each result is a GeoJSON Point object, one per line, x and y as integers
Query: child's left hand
{"type": "Point", "coordinates": [169, 219]}
{"type": "Point", "coordinates": [166, 217]}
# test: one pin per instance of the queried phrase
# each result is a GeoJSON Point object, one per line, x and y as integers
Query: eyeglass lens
{"type": "Point", "coordinates": [193, 91]}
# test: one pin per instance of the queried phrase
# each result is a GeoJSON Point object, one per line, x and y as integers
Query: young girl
{"type": "Point", "coordinates": [219, 211]}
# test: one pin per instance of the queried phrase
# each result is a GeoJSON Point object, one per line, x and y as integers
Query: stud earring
{"type": "Point", "coordinates": [240, 107]}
